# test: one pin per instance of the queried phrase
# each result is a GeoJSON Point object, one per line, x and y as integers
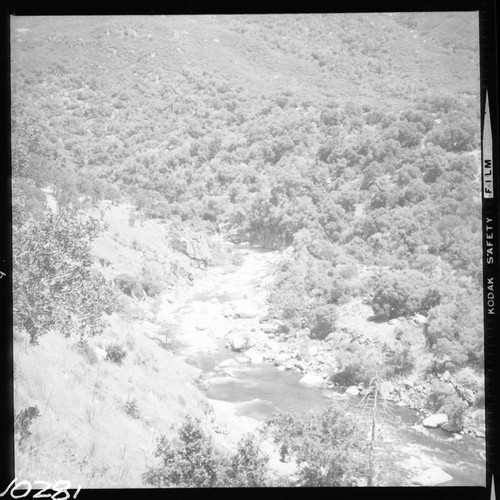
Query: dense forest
{"type": "Point", "coordinates": [351, 141]}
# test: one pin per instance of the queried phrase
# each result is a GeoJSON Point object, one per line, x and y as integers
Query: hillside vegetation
{"type": "Point", "coordinates": [349, 140]}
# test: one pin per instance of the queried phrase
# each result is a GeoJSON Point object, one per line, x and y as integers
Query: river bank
{"type": "Point", "coordinates": [250, 367]}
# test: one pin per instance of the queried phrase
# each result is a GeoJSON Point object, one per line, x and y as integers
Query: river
{"type": "Point", "coordinates": [257, 390]}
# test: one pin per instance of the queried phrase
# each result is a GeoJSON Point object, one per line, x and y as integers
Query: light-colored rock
{"type": "Point", "coordinates": [270, 328]}
{"type": "Point", "coordinates": [281, 359]}
{"type": "Point", "coordinates": [353, 390]}
{"type": "Point", "coordinates": [420, 319]}
{"type": "Point", "coordinates": [245, 310]}
{"type": "Point", "coordinates": [466, 394]}
{"type": "Point", "coordinates": [187, 309]}
{"type": "Point", "coordinates": [227, 312]}
{"type": "Point", "coordinates": [393, 321]}
{"type": "Point", "coordinates": [256, 358]}
{"type": "Point", "coordinates": [100, 354]}
{"type": "Point", "coordinates": [281, 368]}
{"type": "Point", "coordinates": [310, 380]}
{"type": "Point", "coordinates": [312, 350]}
{"type": "Point", "coordinates": [435, 420]}
{"type": "Point", "coordinates": [243, 359]}
{"type": "Point", "coordinates": [237, 341]}
{"type": "Point", "coordinates": [220, 327]}
{"type": "Point", "coordinates": [202, 325]}
{"type": "Point", "coordinates": [445, 377]}
{"type": "Point", "coordinates": [451, 427]}
{"type": "Point", "coordinates": [432, 477]}
{"type": "Point", "coordinates": [386, 388]}
{"type": "Point", "coordinates": [227, 363]}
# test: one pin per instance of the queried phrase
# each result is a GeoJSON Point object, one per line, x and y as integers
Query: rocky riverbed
{"type": "Point", "coordinates": [223, 327]}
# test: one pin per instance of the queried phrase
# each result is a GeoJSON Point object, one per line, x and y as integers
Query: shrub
{"type": "Point", "coordinates": [248, 467]}
{"type": "Point", "coordinates": [359, 364]}
{"type": "Point", "coordinates": [55, 285]}
{"type": "Point", "coordinates": [23, 421]}
{"type": "Point", "coordinates": [403, 293]}
{"type": "Point", "coordinates": [455, 331]}
{"type": "Point", "coordinates": [193, 461]}
{"type": "Point", "coordinates": [130, 285]}
{"type": "Point", "coordinates": [152, 278]}
{"type": "Point", "coordinates": [131, 408]}
{"type": "Point", "coordinates": [407, 351]}
{"type": "Point", "coordinates": [328, 446]}
{"type": "Point", "coordinates": [322, 321]}
{"type": "Point", "coordinates": [115, 353]}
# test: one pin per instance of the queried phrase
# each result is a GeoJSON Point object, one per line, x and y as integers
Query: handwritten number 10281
{"type": "Point", "coordinates": [23, 488]}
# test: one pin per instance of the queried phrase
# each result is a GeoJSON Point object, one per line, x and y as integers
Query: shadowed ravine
{"type": "Point", "coordinates": [257, 390]}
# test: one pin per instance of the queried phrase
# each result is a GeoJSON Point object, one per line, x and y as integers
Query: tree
{"type": "Point", "coordinates": [403, 293]}
{"type": "Point", "coordinates": [55, 286]}
{"type": "Point", "coordinates": [375, 404]}
{"type": "Point", "coordinates": [328, 446]}
{"type": "Point", "coordinates": [192, 461]}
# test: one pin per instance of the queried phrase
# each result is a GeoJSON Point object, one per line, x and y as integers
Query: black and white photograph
{"type": "Point", "coordinates": [247, 250]}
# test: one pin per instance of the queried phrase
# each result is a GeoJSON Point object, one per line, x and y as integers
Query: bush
{"type": "Point", "coordinates": [248, 467]}
{"type": "Point", "coordinates": [407, 350]}
{"type": "Point", "coordinates": [193, 461]}
{"type": "Point", "coordinates": [328, 446]}
{"type": "Point", "coordinates": [403, 293]}
{"type": "Point", "coordinates": [455, 332]}
{"type": "Point", "coordinates": [359, 364]}
{"type": "Point", "coordinates": [322, 321]}
{"type": "Point", "coordinates": [153, 278]}
{"type": "Point", "coordinates": [130, 285]}
{"type": "Point", "coordinates": [115, 353]}
{"type": "Point", "coordinates": [23, 421]}
{"type": "Point", "coordinates": [55, 285]}
{"type": "Point", "coordinates": [131, 408]}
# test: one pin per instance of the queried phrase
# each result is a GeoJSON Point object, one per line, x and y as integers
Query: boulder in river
{"type": "Point", "coordinates": [432, 477]}
{"type": "Point", "coordinates": [245, 310]}
{"type": "Point", "coordinates": [353, 390]}
{"type": "Point", "coordinates": [451, 427]}
{"type": "Point", "coordinates": [300, 366]}
{"type": "Point", "coordinates": [227, 363]}
{"type": "Point", "coordinates": [436, 420]}
{"type": "Point", "coordinates": [310, 380]}
{"type": "Point", "coordinates": [220, 326]}
{"type": "Point", "coordinates": [237, 341]}
{"type": "Point", "coordinates": [256, 358]}
{"type": "Point", "coordinates": [202, 325]}
{"type": "Point", "coordinates": [186, 309]}
{"type": "Point", "coordinates": [281, 359]}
